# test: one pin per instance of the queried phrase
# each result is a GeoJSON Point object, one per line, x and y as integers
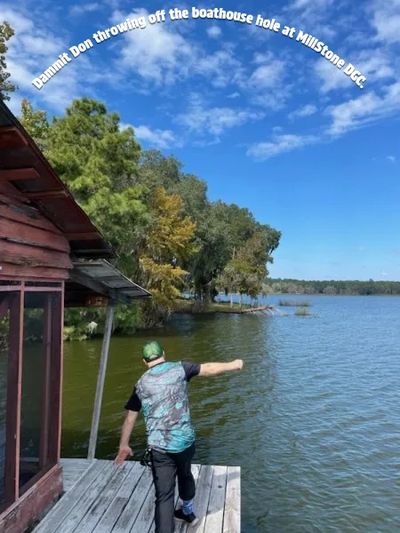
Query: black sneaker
{"type": "Point", "coordinates": [188, 518]}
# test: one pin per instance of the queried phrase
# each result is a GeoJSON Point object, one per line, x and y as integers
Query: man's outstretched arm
{"type": "Point", "coordinates": [213, 369]}
{"type": "Point", "coordinates": [124, 449]}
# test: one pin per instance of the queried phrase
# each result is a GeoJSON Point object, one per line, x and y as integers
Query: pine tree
{"type": "Point", "coordinates": [6, 86]}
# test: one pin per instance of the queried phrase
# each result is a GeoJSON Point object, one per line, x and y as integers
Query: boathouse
{"type": "Point", "coordinates": [51, 255]}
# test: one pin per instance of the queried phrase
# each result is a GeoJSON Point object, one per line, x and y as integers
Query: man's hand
{"type": "Point", "coordinates": [238, 364]}
{"type": "Point", "coordinates": [123, 453]}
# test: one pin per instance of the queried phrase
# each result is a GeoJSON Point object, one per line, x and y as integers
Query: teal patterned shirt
{"type": "Point", "coordinates": [162, 394]}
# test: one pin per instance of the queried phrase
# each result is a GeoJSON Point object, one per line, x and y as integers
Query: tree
{"type": "Point", "coordinates": [36, 123]}
{"type": "Point", "coordinates": [224, 232]}
{"type": "Point", "coordinates": [157, 170]}
{"type": "Point", "coordinates": [98, 162]}
{"type": "Point", "coordinates": [6, 86]}
{"type": "Point", "coordinates": [246, 271]}
{"type": "Point", "coordinates": [167, 243]}
{"type": "Point", "coordinates": [166, 233]}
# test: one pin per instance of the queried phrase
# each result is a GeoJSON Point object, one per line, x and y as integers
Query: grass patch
{"type": "Point", "coordinates": [302, 311]}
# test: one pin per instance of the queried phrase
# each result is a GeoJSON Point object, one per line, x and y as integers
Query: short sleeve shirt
{"type": "Point", "coordinates": [163, 395]}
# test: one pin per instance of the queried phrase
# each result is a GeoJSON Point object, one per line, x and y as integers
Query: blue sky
{"type": "Point", "coordinates": [267, 122]}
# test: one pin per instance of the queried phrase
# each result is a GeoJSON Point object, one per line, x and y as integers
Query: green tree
{"type": "Point", "coordinates": [6, 86]}
{"type": "Point", "coordinates": [98, 162]}
{"type": "Point", "coordinates": [36, 123]}
{"type": "Point", "coordinates": [225, 231]}
{"type": "Point", "coordinates": [246, 271]}
{"type": "Point", "coordinates": [157, 170]}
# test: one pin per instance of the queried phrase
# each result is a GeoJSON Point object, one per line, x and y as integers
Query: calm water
{"type": "Point", "coordinates": [313, 420]}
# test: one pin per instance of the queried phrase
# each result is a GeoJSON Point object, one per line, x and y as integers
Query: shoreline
{"type": "Point", "coordinates": [198, 308]}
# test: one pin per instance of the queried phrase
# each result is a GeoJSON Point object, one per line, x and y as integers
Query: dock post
{"type": "Point", "coordinates": [100, 380]}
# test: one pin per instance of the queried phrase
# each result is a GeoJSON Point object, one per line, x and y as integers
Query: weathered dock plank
{"type": "Point", "coordinates": [103, 498]}
{"type": "Point", "coordinates": [215, 510]}
{"type": "Point", "coordinates": [94, 514]}
{"type": "Point", "coordinates": [120, 500]}
{"type": "Point", "coordinates": [73, 470]}
{"type": "Point", "coordinates": [202, 497]}
{"type": "Point", "coordinates": [128, 516]}
{"type": "Point", "coordinates": [146, 513]}
{"type": "Point", "coordinates": [66, 504]}
{"type": "Point", "coordinates": [89, 498]}
{"type": "Point", "coordinates": [232, 501]}
{"type": "Point", "coordinates": [181, 527]}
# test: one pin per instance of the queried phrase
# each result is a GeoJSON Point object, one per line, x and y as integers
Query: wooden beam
{"type": "Point", "coordinates": [24, 255]}
{"type": "Point", "coordinates": [26, 214]}
{"type": "Point", "coordinates": [14, 380]}
{"type": "Point", "coordinates": [4, 305]}
{"type": "Point", "coordinates": [86, 281]}
{"type": "Point", "coordinates": [100, 380]}
{"type": "Point", "coordinates": [56, 377]}
{"type": "Point", "coordinates": [11, 137]}
{"type": "Point", "coordinates": [45, 407]}
{"type": "Point", "coordinates": [16, 272]}
{"type": "Point", "coordinates": [38, 195]}
{"type": "Point", "coordinates": [21, 233]}
{"type": "Point", "coordinates": [100, 252]}
{"type": "Point", "coordinates": [17, 174]}
{"type": "Point", "coordinates": [88, 236]}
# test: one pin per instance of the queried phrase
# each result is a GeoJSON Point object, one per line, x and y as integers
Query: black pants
{"type": "Point", "coordinates": [165, 467]}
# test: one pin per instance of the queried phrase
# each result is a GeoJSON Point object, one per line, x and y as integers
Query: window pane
{"type": "Point", "coordinates": [4, 347]}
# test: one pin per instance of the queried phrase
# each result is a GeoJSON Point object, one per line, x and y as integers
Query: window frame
{"type": "Point", "coordinates": [50, 431]}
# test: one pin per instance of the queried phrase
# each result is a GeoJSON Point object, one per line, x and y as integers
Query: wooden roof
{"type": "Point", "coordinates": [24, 167]}
{"type": "Point", "coordinates": [28, 180]}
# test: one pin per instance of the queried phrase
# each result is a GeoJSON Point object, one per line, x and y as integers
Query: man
{"type": "Point", "coordinates": [163, 395]}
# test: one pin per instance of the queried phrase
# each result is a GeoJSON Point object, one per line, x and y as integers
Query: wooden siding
{"type": "Point", "coordinates": [31, 247]}
{"type": "Point", "coordinates": [33, 503]}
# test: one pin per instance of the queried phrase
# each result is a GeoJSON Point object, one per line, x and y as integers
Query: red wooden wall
{"type": "Point", "coordinates": [31, 247]}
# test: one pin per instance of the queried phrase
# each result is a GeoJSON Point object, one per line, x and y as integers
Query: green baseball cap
{"type": "Point", "coordinates": [152, 350]}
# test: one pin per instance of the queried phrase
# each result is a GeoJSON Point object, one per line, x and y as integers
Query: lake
{"type": "Point", "coordinates": [313, 419]}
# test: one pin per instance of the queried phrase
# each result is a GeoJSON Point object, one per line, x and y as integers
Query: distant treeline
{"type": "Point", "coordinates": [295, 286]}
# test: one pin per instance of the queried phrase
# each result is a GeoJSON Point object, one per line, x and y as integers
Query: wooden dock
{"type": "Point", "coordinates": [101, 497]}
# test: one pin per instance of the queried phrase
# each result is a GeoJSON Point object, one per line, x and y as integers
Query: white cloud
{"type": "Point", "coordinates": [331, 78]}
{"type": "Point", "coordinates": [266, 85]}
{"type": "Point", "coordinates": [213, 120]}
{"type": "Point", "coordinates": [32, 49]}
{"type": "Point", "coordinates": [221, 68]}
{"type": "Point", "coordinates": [391, 158]}
{"type": "Point", "coordinates": [280, 144]}
{"type": "Point", "coordinates": [310, 4]}
{"type": "Point", "coordinates": [267, 76]}
{"type": "Point", "coordinates": [163, 139]}
{"type": "Point", "coordinates": [364, 109]}
{"type": "Point", "coordinates": [80, 9]}
{"type": "Point", "coordinates": [157, 53]}
{"type": "Point", "coordinates": [313, 16]}
{"type": "Point", "coordinates": [305, 111]}
{"type": "Point", "coordinates": [375, 64]}
{"type": "Point", "coordinates": [386, 20]}
{"type": "Point", "coordinates": [214, 32]}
